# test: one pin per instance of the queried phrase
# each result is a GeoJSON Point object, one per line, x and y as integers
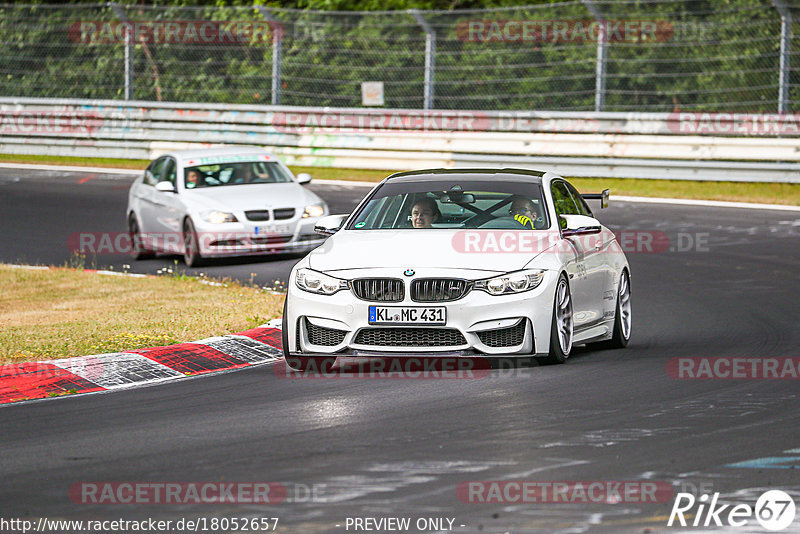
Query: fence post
{"type": "Point", "coordinates": [128, 51]}
{"type": "Point", "coordinates": [277, 53]}
{"type": "Point", "coordinates": [602, 56]}
{"type": "Point", "coordinates": [430, 56]}
{"type": "Point", "coordinates": [786, 44]}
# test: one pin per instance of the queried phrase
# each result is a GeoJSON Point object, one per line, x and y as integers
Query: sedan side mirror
{"type": "Point", "coordinates": [580, 225]}
{"type": "Point", "coordinates": [303, 178]}
{"type": "Point", "coordinates": [165, 187]}
{"type": "Point", "coordinates": [330, 225]}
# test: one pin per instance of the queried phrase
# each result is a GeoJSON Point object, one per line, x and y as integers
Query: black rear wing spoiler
{"type": "Point", "coordinates": [602, 197]}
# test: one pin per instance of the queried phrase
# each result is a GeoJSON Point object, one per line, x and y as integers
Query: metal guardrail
{"type": "Point", "coordinates": [623, 145]}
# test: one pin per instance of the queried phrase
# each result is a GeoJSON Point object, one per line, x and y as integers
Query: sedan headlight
{"type": "Point", "coordinates": [314, 210]}
{"type": "Point", "coordinates": [506, 284]}
{"type": "Point", "coordinates": [218, 217]}
{"type": "Point", "coordinates": [320, 283]}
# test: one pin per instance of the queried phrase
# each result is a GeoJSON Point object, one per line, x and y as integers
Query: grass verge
{"type": "Point", "coordinates": [59, 313]}
{"type": "Point", "coordinates": [114, 163]}
{"type": "Point", "coordinates": [767, 193]}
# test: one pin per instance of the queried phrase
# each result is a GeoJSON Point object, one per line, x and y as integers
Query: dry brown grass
{"type": "Point", "coordinates": [59, 313]}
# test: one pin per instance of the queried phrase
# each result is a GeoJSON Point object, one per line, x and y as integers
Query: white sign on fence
{"type": "Point", "coordinates": [372, 94]}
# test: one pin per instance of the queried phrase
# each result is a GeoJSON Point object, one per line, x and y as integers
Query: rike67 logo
{"type": "Point", "coordinates": [774, 511]}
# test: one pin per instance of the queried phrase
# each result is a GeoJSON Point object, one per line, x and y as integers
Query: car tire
{"type": "Point", "coordinates": [191, 247]}
{"type": "Point", "coordinates": [622, 316]}
{"type": "Point", "coordinates": [138, 250]}
{"type": "Point", "coordinates": [285, 331]}
{"type": "Point", "coordinates": [561, 327]}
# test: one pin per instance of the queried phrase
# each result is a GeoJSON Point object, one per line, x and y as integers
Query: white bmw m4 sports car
{"type": "Point", "coordinates": [461, 262]}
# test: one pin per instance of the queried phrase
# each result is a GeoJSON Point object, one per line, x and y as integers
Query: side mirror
{"type": "Point", "coordinates": [580, 225]}
{"type": "Point", "coordinates": [165, 187]}
{"type": "Point", "coordinates": [330, 225]}
{"type": "Point", "coordinates": [602, 197]}
{"type": "Point", "coordinates": [303, 178]}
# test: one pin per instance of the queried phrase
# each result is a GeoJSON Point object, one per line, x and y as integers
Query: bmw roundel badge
{"type": "Point", "coordinates": [409, 272]}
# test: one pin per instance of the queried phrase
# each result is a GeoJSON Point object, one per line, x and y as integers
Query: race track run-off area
{"type": "Point", "coordinates": [423, 453]}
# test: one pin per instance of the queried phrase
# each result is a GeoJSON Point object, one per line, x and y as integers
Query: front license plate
{"type": "Point", "coordinates": [273, 229]}
{"type": "Point", "coordinates": [407, 315]}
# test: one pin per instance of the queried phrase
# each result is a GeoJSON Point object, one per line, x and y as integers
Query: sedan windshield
{"type": "Point", "coordinates": [454, 204]}
{"type": "Point", "coordinates": [241, 172]}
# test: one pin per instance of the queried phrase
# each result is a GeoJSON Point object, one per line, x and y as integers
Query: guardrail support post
{"type": "Point", "coordinates": [602, 56]}
{"type": "Point", "coordinates": [277, 53]}
{"type": "Point", "coordinates": [430, 56]}
{"type": "Point", "coordinates": [786, 43]}
{"type": "Point", "coordinates": [119, 12]}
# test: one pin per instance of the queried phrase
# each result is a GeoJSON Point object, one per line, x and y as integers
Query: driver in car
{"type": "Point", "coordinates": [192, 179]}
{"type": "Point", "coordinates": [424, 213]}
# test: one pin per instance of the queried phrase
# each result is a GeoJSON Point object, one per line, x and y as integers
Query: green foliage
{"type": "Point", "coordinates": [709, 55]}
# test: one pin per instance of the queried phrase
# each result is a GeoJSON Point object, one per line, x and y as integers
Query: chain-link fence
{"type": "Point", "coordinates": [610, 55]}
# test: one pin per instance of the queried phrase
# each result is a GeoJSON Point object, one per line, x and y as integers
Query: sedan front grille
{"type": "Point", "coordinates": [257, 215]}
{"type": "Point", "coordinates": [438, 289]}
{"type": "Point", "coordinates": [283, 213]}
{"type": "Point", "coordinates": [378, 289]}
{"type": "Point", "coordinates": [504, 337]}
{"type": "Point", "coordinates": [327, 337]}
{"type": "Point", "coordinates": [410, 337]}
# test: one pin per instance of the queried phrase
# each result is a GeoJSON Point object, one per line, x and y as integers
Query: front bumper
{"type": "Point", "coordinates": [241, 239]}
{"type": "Point", "coordinates": [478, 324]}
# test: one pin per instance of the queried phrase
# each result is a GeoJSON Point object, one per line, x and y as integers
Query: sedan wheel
{"type": "Point", "coordinates": [138, 250]}
{"type": "Point", "coordinates": [191, 248]}
{"type": "Point", "coordinates": [562, 326]}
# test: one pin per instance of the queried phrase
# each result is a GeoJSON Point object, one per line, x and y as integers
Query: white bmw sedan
{"type": "Point", "coordinates": [219, 202]}
{"type": "Point", "coordinates": [464, 262]}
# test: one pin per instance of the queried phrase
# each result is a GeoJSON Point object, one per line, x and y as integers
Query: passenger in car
{"type": "Point", "coordinates": [424, 213]}
{"type": "Point", "coordinates": [523, 211]}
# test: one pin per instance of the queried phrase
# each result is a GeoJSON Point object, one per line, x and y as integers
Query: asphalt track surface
{"type": "Point", "coordinates": [46, 212]}
{"type": "Point", "coordinates": [400, 447]}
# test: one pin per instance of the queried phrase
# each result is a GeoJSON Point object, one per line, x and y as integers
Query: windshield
{"type": "Point", "coordinates": [236, 173]}
{"type": "Point", "coordinates": [454, 204]}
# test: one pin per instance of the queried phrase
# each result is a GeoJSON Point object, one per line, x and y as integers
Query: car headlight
{"type": "Point", "coordinates": [314, 210]}
{"type": "Point", "coordinates": [218, 217]}
{"type": "Point", "coordinates": [320, 283]}
{"type": "Point", "coordinates": [509, 283]}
